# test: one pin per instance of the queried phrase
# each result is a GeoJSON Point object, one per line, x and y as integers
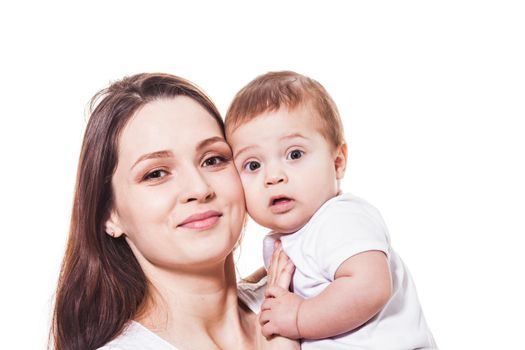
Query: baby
{"type": "Point", "coordinates": [350, 289]}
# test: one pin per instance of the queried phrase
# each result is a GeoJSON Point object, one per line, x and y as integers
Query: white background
{"type": "Point", "coordinates": [432, 96]}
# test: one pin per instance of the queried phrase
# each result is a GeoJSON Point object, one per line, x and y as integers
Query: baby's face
{"type": "Point", "coordinates": [287, 168]}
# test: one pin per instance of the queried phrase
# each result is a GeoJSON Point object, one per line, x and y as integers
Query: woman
{"type": "Point", "coordinates": [158, 210]}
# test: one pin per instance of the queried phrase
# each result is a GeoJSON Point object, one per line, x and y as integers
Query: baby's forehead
{"type": "Point", "coordinates": [277, 127]}
{"type": "Point", "coordinates": [282, 118]}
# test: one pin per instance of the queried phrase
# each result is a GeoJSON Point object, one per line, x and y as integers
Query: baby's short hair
{"type": "Point", "coordinates": [273, 90]}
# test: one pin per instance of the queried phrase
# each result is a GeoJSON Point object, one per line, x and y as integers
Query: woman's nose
{"type": "Point", "coordinates": [196, 188]}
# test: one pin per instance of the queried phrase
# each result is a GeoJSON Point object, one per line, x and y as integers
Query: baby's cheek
{"type": "Point", "coordinates": [251, 201]}
{"type": "Point", "coordinates": [249, 189]}
{"type": "Point", "coordinates": [254, 205]}
{"type": "Point", "coordinates": [252, 195]}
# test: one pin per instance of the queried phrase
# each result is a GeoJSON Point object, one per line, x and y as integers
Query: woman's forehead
{"type": "Point", "coordinates": [177, 124]}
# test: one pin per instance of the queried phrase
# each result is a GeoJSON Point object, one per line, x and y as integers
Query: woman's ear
{"type": "Point", "coordinates": [340, 161]}
{"type": "Point", "coordinates": [113, 227]}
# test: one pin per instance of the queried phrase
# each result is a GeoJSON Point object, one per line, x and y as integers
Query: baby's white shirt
{"type": "Point", "coordinates": [343, 227]}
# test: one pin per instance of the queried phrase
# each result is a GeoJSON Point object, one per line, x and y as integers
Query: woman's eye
{"type": "Point", "coordinates": [252, 166]}
{"type": "Point", "coordinates": [214, 161]}
{"type": "Point", "coordinates": [295, 154]}
{"type": "Point", "coordinates": [155, 174]}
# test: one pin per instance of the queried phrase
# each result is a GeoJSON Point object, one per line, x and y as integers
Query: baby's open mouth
{"type": "Point", "coordinates": [281, 204]}
{"type": "Point", "coordinates": [278, 200]}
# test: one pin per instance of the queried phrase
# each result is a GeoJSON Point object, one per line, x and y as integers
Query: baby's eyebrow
{"type": "Point", "coordinates": [293, 136]}
{"type": "Point", "coordinates": [286, 137]}
{"type": "Point", "coordinates": [244, 149]}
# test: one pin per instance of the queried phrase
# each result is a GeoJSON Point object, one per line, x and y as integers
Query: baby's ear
{"type": "Point", "coordinates": [340, 161]}
{"type": "Point", "coordinates": [113, 227]}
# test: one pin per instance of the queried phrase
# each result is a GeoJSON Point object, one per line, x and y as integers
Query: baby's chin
{"type": "Point", "coordinates": [284, 228]}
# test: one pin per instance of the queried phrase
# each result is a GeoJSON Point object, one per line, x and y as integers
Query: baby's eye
{"type": "Point", "coordinates": [252, 166]}
{"type": "Point", "coordinates": [213, 161]}
{"type": "Point", "coordinates": [155, 174]}
{"type": "Point", "coordinates": [295, 154]}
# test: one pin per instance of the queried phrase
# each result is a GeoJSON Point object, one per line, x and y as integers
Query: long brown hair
{"type": "Point", "coordinates": [101, 285]}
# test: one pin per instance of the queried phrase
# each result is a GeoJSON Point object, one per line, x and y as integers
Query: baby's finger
{"type": "Point", "coordinates": [285, 275]}
{"type": "Point", "coordinates": [283, 259]}
{"type": "Point", "coordinates": [264, 317]}
{"type": "Point", "coordinates": [282, 269]}
{"type": "Point", "coordinates": [268, 329]}
{"type": "Point", "coordinates": [267, 304]}
{"type": "Point", "coordinates": [274, 264]}
{"type": "Point", "coordinates": [274, 292]}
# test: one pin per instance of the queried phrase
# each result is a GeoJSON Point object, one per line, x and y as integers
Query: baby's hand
{"type": "Point", "coordinates": [281, 268]}
{"type": "Point", "coordinates": [279, 313]}
{"type": "Point", "coordinates": [280, 307]}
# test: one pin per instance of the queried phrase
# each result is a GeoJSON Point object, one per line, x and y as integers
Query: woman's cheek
{"type": "Point", "coordinates": [154, 206]}
{"type": "Point", "coordinates": [232, 182]}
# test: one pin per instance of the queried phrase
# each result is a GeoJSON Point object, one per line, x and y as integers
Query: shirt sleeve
{"type": "Point", "coordinates": [252, 294]}
{"type": "Point", "coordinates": [345, 232]}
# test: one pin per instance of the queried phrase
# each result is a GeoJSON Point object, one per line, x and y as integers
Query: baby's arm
{"type": "Point", "coordinates": [362, 286]}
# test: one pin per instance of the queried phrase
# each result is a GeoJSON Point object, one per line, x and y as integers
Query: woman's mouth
{"type": "Point", "coordinates": [281, 204]}
{"type": "Point", "coordinates": [201, 221]}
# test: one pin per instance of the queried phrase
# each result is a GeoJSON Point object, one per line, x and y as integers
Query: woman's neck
{"type": "Point", "coordinates": [198, 306]}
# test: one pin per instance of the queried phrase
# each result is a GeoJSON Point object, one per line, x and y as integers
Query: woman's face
{"type": "Point", "coordinates": [178, 197]}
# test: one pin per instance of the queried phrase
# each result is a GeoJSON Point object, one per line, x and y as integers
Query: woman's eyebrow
{"type": "Point", "coordinates": [169, 154]}
{"type": "Point", "coordinates": [153, 155]}
{"type": "Point", "coordinates": [205, 143]}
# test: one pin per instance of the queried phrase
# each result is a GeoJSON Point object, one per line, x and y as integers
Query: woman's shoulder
{"type": "Point", "coordinates": [137, 337]}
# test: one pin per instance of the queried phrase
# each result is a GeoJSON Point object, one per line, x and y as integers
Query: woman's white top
{"type": "Point", "coordinates": [137, 337]}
